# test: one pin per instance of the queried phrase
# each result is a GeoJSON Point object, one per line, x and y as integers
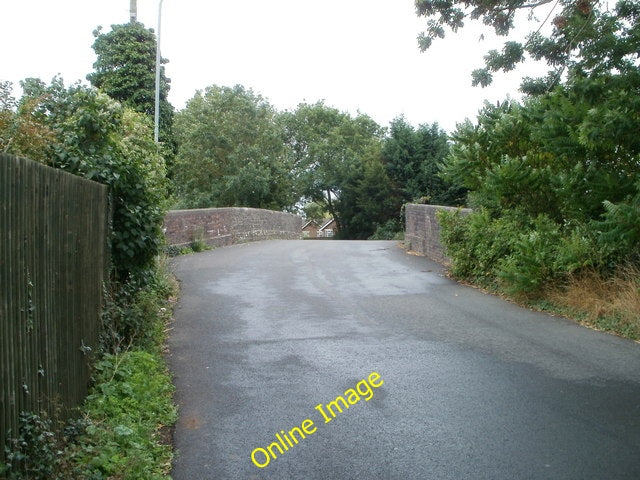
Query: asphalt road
{"type": "Point", "coordinates": [470, 386]}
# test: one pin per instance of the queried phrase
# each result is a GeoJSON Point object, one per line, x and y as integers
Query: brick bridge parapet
{"type": "Point", "coordinates": [423, 230]}
{"type": "Point", "coordinates": [230, 225]}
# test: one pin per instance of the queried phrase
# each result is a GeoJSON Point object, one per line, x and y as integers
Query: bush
{"type": "Point", "coordinates": [532, 261]}
{"type": "Point", "coordinates": [476, 242]}
{"type": "Point", "coordinates": [390, 230]}
{"type": "Point", "coordinates": [96, 137]}
{"type": "Point", "coordinates": [513, 252]}
{"type": "Point", "coordinates": [544, 255]}
{"type": "Point", "coordinates": [619, 230]}
{"type": "Point", "coordinates": [134, 312]}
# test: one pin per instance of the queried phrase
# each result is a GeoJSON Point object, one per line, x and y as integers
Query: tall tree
{"type": "Point", "coordinates": [413, 159]}
{"type": "Point", "coordinates": [125, 70]}
{"type": "Point", "coordinates": [367, 200]}
{"type": "Point", "coordinates": [231, 152]}
{"type": "Point", "coordinates": [327, 147]}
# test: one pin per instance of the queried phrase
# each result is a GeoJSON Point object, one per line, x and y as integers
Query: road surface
{"type": "Point", "coordinates": [353, 360]}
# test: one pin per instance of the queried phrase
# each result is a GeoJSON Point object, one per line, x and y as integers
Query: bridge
{"type": "Point", "coordinates": [353, 359]}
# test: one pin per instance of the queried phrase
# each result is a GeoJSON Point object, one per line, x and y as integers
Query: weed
{"type": "Point", "coordinates": [125, 412]}
{"type": "Point", "coordinates": [198, 244]}
{"type": "Point", "coordinates": [611, 304]}
{"type": "Point", "coordinates": [173, 250]}
{"type": "Point", "coordinates": [35, 453]}
{"type": "Point", "coordinates": [134, 315]}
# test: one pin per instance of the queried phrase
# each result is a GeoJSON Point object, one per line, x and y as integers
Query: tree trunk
{"type": "Point", "coordinates": [331, 210]}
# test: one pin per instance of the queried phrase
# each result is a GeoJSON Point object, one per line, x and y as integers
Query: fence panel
{"type": "Point", "coordinates": [53, 264]}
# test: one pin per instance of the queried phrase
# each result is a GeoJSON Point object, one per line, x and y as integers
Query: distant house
{"type": "Point", "coordinates": [310, 229]}
{"type": "Point", "coordinates": [328, 229]}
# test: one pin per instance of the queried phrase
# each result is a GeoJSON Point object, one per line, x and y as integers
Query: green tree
{"type": "Point", "coordinates": [96, 137]}
{"type": "Point", "coordinates": [413, 160]}
{"type": "Point", "coordinates": [314, 211]}
{"type": "Point", "coordinates": [556, 174]}
{"type": "Point", "coordinates": [554, 178]}
{"type": "Point", "coordinates": [231, 152]}
{"type": "Point", "coordinates": [125, 70]}
{"type": "Point", "coordinates": [584, 38]}
{"type": "Point", "coordinates": [366, 201]}
{"type": "Point", "coordinates": [326, 148]}
{"type": "Point", "coordinates": [550, 154]}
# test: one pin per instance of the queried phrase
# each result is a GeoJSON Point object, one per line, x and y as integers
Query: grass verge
{"type": "Point", "coordinates": [608, 304]}
{"type": "Point", "coordinates": [124, 417]}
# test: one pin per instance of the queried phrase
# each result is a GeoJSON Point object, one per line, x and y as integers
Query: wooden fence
{"type": "Point", "coordinates": [53, 265]}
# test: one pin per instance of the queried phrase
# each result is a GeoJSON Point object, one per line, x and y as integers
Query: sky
{"type": "Point", "coordinates": [355, 55]}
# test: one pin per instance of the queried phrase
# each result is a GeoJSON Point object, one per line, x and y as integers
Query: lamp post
{"type": "Point", "coordinates": [156, 129]}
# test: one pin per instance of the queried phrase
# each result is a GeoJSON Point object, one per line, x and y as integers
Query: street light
{"type": "Point", "coordinates": [156, 129]}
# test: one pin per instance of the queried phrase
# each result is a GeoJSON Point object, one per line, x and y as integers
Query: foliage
{"type": "Point", "coordinates": [314, 211]}
{"type": "Point", "coordinates": [413, 159]}
{"type": "Point", "coordinates": [542, 255]}
{"type": "Point", "coordinates": [584, 37]}
{"type": "Point", "coordinates": [568, 163]}
{"type": "Point", "coordinates": [22, 131]}
{"type": "Point", "coordinates": [554, 179]}
{"type": "Point", "coordinates": [619, 229]}
{"type": "Point", "coordinates": [121, 430]}
{"type": "Point", "coordinates": [132, 310]}
{"type": "Point", "coordinates": [550, 153]}
{"type": "Point", "coordinates": [34, 453]}
{"type": "Point", "coordinates": [131, 400]}
{"type": "Point", "coordinates": [231, 152]}
{"type": "Point", "coordinates": [366, 199]}
{"type": "Point", "coordinates": [94, 136]}
{"type": "Point", "coordinates": [477, 242]}
{"type": "Point", "coordinates": [125, 70]}
{"type": "Point", "coordinates": [390, 230]}
{"type": "Point", "coordinates": [129, 404]}
{"type": "Point", "coordinates": [515, 252]}
{"type": "Point", "coordinates": [327, 148]}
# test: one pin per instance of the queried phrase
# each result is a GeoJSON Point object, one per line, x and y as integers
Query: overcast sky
{"type": "Point", "coordinates": [357, 55]}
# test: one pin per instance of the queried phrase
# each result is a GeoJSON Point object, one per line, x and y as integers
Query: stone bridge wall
{"type": "Point", "coordinates": [423, 230]}
{"type": "Point", "coordinates": [230, 225]}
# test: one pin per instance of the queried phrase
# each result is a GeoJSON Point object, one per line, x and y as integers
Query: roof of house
{"type": "Point", "coordinates": [309, 223]}
{"type": "Point", "coordinates": [327, 223]}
